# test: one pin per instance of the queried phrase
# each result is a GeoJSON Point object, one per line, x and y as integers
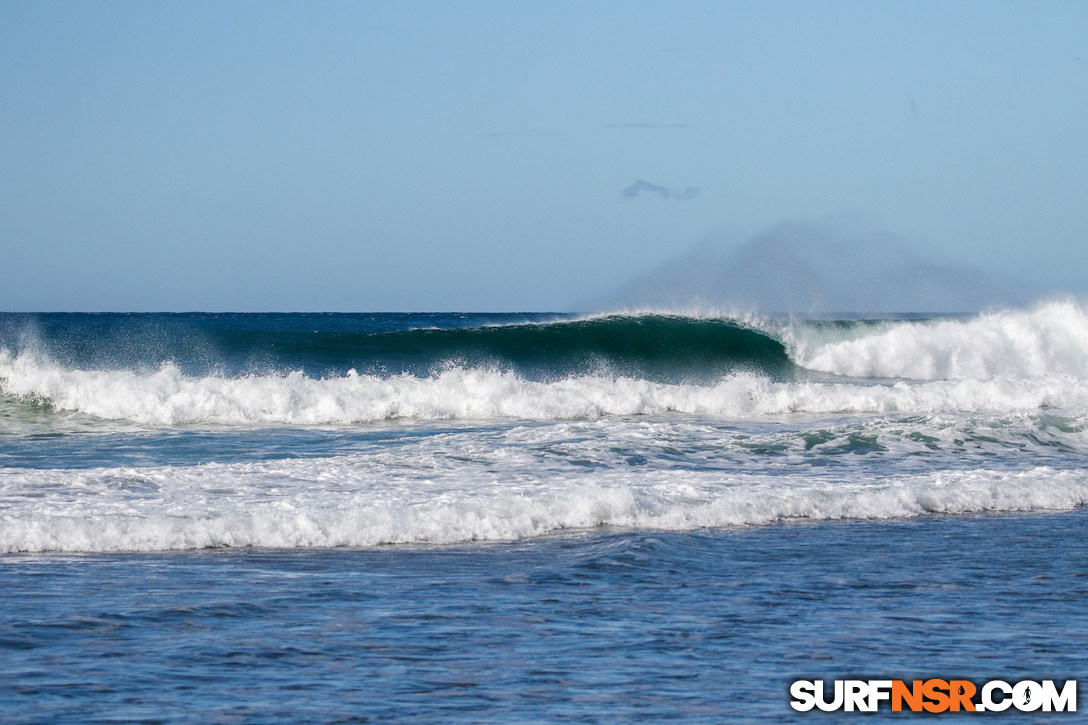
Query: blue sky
{"type": "Point", "coordinates": [518, 155]}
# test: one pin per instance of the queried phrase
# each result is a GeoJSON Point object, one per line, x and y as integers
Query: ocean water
{"type": "Point", "coordinates": [532, 518]}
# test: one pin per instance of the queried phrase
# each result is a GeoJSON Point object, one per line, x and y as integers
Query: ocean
{"type": "Point", "coordinates": [630, 517]}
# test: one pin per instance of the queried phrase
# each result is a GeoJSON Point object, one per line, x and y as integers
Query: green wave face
{"type": "Point", "coordinates": [661, 348]}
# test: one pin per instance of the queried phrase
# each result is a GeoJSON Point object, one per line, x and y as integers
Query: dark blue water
{"type": "Point", "coordinates": [515, 518]}
{"type": "Point", "coordinates": [605, 626]}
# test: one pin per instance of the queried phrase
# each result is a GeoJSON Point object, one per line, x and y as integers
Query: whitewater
{"type": "Point", "coordinates": [638, 516]}
{"type": "Point", "coordinates": [145, 433]}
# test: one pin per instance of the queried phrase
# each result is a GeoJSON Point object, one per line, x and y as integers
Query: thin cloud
{"type": "Point", "coordinates": [504, 134]}
{"type": "Point", "coordinates": [641, 187]}
{"type": "Point", "coordinates": [649, 125]}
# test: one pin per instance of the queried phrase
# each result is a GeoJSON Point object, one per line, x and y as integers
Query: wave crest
{"type": "Point", "coordinates": [1051, 339]}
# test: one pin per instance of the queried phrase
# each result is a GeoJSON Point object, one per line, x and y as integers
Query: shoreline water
{"type": "Point", "coordinates": [673, 517]}
{"type": "Point", "coordinates": [602, 625]}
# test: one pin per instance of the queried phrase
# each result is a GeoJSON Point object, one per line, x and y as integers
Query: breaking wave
{"type": "Point", "coordinates": [618, 365]}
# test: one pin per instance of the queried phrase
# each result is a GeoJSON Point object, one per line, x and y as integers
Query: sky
{"type": "Point", "coordinates": [518, 156]}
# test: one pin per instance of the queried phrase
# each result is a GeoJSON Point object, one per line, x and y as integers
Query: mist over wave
{"type": "Point", "coordinates": [1000, 361]}
{"type": "Point", "coordinates": [833, 266]}
{"type": "Point", "coordinates": [1048, 339]}
{"type": "Point", "coordinates": [188, 431]}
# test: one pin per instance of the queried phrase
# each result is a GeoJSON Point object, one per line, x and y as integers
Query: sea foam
{"type": "Point", "coordinates": [1006, 362]}
{"type": "Point", "coordinates": [1051, 339]}
{"type": "Point", "coordinates": [351, 501]}
{"type": "Point", "coordinates": [168, 397]}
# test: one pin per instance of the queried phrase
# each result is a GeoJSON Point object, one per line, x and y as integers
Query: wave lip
{"type": "Point", "coordinates": [1002, 362]}
{"type": "Point", "coordinates": [664, 348]}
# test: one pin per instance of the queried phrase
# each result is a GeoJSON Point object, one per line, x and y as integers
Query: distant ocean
{"type": "Point", "coordinates": [532, 518]}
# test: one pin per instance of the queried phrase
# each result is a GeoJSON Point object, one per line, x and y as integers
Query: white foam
{"type": "Point", "coordinates": [365, 501]}
{"type": "Point", "coordinates": [168, 397]}
{"type": "Point", "coordinates": [1050, 339]}
{"type": "Point", "coordinates": [1003, 362]}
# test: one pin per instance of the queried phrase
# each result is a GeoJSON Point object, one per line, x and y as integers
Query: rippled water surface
{"type": "Point", "coordinates": [605, 626]}
{"type": "Point", "coordinates": [532, 518]}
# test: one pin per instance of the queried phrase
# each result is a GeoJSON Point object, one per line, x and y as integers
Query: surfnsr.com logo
{"type": "Point", "coordinates": [934, 696]}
